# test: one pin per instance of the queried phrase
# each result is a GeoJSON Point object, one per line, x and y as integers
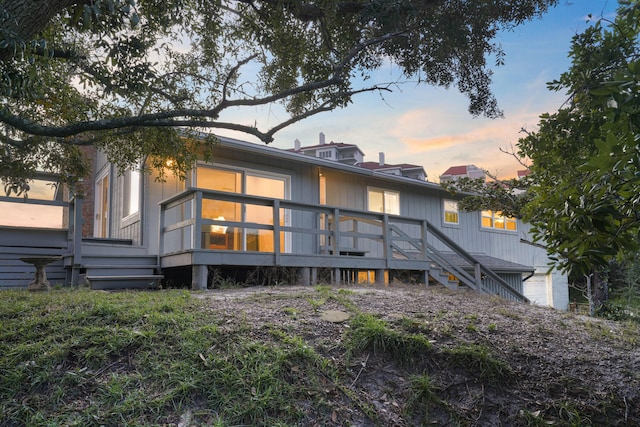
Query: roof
{"type": "Point", "coordinates": [296, 156]}
{"type": "Point", "coordinates": [377, 165]}
{"type": "Point", "coordinates": [326, 145]}
{"type": "Point", "coordinates": [456, 170]}
{"type": "Point", "coordinates": [495, 264]}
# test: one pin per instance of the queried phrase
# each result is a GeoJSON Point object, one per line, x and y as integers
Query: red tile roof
{"type": "Point", "coordinates": [456, 170]}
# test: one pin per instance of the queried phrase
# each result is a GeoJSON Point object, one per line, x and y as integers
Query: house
{"type": "Point", "coordinates": [464, 171]}
{"type": "Point", "coordinates": [348, 154]}
{"type": "Point", "coordinates": [404, 169]}
{"type": "Point", "coordinates": [259, 206]}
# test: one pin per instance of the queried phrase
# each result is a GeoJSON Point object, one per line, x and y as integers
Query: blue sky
{"type": "Point", "coordinates": [432, 127]}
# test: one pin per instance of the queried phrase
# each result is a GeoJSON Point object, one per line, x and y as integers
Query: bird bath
{"type": "Point", "coordinates": [40, 282]}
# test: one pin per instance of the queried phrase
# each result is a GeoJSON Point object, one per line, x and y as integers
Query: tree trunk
{"type": "Point", "coordinates": [589, 295]}
{"type": "Point", "coordinates": [23, 19]}
{"type": "Point", "coordinates": [600, 290]}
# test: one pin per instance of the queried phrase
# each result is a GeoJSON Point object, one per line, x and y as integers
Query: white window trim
{"type": "Point", "coordinates": [128, 195]}
{"type": "Point", "coordinates": [445, 210]}
{"type": "Point", "coordinates": [496, 215]}
{"type": "Point", "coordinates": [384, 206]}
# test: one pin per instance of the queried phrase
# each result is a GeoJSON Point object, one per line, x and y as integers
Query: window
{"type": "Point", "coordinates": [493, 219]}
{"type": "Point", "coordinates": [269, 185]}
{"type": "Point", "coordinates": [325, 154]}
{"type": "Point", "coordinates": [384, 201]}
{"type": "Point", "coordinates": [131, 193]}
{"type": "Point", "coordinates": [451, 213]}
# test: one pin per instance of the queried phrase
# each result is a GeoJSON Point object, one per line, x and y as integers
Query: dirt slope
{"type": "Point", "coordinates": [554, 368]}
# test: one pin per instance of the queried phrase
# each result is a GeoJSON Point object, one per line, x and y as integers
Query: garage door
{"type": "Point", "coordinates": [536, 289]}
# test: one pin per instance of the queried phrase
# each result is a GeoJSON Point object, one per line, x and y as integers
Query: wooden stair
{"type": "Point", "coordinates": [117, 266]}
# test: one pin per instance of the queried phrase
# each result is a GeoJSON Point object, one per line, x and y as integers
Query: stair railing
{"type": "Point", "coordinates": [480, 270]}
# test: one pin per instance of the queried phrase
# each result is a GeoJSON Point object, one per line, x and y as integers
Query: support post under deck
{"type": "Point", "coordinates": [199, 276]}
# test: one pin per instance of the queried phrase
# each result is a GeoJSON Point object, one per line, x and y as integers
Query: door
{"type": "Point", "coordinates": [537, 290]}
{"type": "Point", "coordinates": [102, 204]}
{"type": "Point", "coordinates": [269, 186]}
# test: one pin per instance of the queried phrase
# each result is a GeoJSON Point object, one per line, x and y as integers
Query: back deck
{"type": "Point", "coordinates": [348, 243]}
{"type": "Point", "coordinates": [312, 237]}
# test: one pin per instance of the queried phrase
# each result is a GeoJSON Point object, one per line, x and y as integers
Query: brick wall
{"type": "Point", "coordinates": [88, 188]}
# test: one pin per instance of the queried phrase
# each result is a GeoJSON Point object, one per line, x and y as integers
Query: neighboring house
{"type": "Point", "coordinates": [464, 171]}
{"type": "Point", "coordinates": [523, 172]}
{"type": "Point", "coordinates": [404, 169]}
{"type": "Point", "coordinates": [348, 154]}
{"type": "Point", "coordinates": [260, 207]}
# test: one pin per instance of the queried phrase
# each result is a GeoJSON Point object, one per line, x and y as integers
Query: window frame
{"type": "Point", "coordinates": [445, 211]}
{"type": "Point", "coordinates": [497, 216]}
{"type": "Point", "coordinates": [384, 193]}
{"type": "Point", "coordinates": [326, 154]}
{"type": "Point", "coordinates": [131, 189]}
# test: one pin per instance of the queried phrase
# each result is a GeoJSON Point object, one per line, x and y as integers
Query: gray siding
{"type": "Point", "coordinates": [346, 189]}
{"type": "Point", "coordinates": [16, 243]}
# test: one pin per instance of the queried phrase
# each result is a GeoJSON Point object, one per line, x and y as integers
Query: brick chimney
{"type": "Point", "coordinates": [381, 157]}
{"type": "Point", "coordinates": [297, 144]}
{"type": "Point", "coordinates": [321, 138]}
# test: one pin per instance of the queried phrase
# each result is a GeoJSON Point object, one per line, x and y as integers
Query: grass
{"type": "Point", "coordinates": [92, 358]}
{"type": "Point", "coordinates": [479, 360]}
{"type": "Point", "coordinates": [166, 358]}
{"type": "Point", "coordinates": [423, 393]}
{"type": "Point", "coordinates": [369, 333]}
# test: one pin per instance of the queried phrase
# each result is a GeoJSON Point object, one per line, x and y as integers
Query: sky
{"type": "Point", "coordinates": [424, 125]}
{"type": "Point", "coordinates": [431, 126]}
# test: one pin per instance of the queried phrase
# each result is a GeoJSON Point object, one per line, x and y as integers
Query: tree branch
{"type": "Point", "coordinates": [170, 117]}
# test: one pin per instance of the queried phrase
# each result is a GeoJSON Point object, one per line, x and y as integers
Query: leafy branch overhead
{"type": "Point", "coordinates": [100, 72]}
{"type": "Point", "coordinates": [583, 196]}
{"type": "Point", "coordinates": [508, 196]}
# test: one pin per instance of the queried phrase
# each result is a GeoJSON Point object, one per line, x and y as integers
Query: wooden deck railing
{"type": "Point", "coordinates": [319, 230]}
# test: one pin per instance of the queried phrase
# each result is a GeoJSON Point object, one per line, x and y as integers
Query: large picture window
{"type": "Point", "coordinates": [383, 201]}
{"type": "Point", "coordinates": [254, 183]}
{"type": "Point", "coordinates": [451, 213]}
{"type": "Point", "coordinates": [496, 220]}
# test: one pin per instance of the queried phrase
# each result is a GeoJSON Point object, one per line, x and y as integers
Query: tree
{"type": "Point", "coordinates": [125, 75]}
{"type": "Point", "coordinates": [584, 187]}
{"type": "Point", "coordinates": [585, 158]}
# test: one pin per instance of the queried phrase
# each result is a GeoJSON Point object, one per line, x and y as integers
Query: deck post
{"type": "Point", "coordinates": [199, 276]}
{"type": "Point", "coordinates": [197, 227]}
{"type": "Point", "coordinates": [478, 276]}
{"type": "Point", "coordinates": [303, 276]}
{"type": "Point", "coordinates": [379, 277]}
{"type": "Point", "coordinates": [77, 241]}
{"type": "Point", "coordinates": [314, 275]}
{"type": "Point", "coordinates": [161, 219]}
{"type": "Point", "coordinates": [425, 277]}
{"type": "Point", "coordinates": [335, 242]}
{"type": "Point", "coordinates": [387, 240]}
{"type": "Point", "coordinates": [337, 276]}
{"type": "Point", "coordinates": [276, 231]}
{"type": "Point", "coordinates": [423, 236]}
